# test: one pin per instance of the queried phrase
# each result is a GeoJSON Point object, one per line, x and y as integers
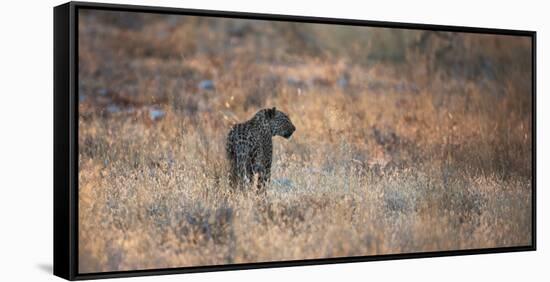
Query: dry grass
{"type": "Point", "coordinates": [402, 145]}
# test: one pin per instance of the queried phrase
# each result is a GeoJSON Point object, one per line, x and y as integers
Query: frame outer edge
{"type": "Point", "coordinates": [73, 141]}
{"type": "Point", "coordinates": [534, 141]}
{"type": "Point", "coordinates": [66, 145]}
{"type": "Point", "coordinates": [62, 215]}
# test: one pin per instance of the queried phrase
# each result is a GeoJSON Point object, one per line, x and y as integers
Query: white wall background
{"type": "Point", "coordinates": [26, 139]}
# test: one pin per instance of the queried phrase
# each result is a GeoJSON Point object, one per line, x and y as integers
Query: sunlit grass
{"type": "Point", "coordinates": [387, 157]}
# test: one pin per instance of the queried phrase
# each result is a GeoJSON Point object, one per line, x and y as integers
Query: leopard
{"type": "Point", "coordinates": [249, 147]}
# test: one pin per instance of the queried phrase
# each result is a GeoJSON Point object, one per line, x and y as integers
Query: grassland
{"type": "Point", "coordinates": [406, 141]}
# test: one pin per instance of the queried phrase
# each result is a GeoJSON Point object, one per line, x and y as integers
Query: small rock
{"type": "Point", "coordinates": [156, 114]}
{"type": "Point", "coordinates": [283, 182]}
{"type": "Point", "coordinates": [206, 85]}
{"type": "Point", "coordinates": [295, 82]}
{"type": "Point", "coordinates": [113, 109]}
{"type": "Point", "coordinates": [102, 92]}
{"type": "Point", "coordinates": [343, 81]}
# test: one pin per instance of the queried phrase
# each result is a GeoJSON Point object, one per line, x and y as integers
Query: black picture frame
{"type": "Point", "coordinates": [66, 141]}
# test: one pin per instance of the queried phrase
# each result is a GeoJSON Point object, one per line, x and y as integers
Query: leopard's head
{"type": "Point", "coordinates": [279, 123]}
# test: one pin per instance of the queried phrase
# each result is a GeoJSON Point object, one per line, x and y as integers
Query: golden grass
{"type": "Point", "coordinates": [395, 161]}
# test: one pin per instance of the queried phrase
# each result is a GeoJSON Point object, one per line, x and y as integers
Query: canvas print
{"type": "Point", "coordinates": [213, 141]}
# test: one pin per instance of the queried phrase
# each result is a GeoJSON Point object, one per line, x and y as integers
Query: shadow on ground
{"type": "Point", "coordinates": [46, 267]}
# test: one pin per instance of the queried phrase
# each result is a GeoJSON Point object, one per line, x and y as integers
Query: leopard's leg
{"type": "Point", "coordinates": [258, 173]}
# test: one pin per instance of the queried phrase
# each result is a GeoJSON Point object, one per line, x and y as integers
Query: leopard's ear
{"type": "Point", "coordinates": [271, 112]}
